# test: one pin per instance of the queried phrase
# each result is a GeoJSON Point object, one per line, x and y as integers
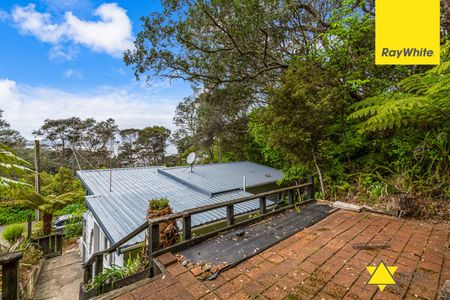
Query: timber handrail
{"type": "Point", "coordinates": [205, 208]}
{"type": "Point", "coordinates": [116, 246]}
{"type": "Point", "coordinates": [152, 225]}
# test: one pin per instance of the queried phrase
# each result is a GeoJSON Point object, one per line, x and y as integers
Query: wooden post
{"type": "Point", "coordinates": [10, 275]}
{"type": "Point", "coordinates": [187, 234]}
{"type": "Point", "coordinates": [310, 189]}
{"type": "Point", "coordinates": [149, 250]}
{"type": "Point", "coordinates": [230, 215]}
{"type": "Point", "coordinates": [87, 273]}
{"type": "Point", "coordinates": [153, 244]}
{"type": "Point", "coordinates": [59, 242]}
{"type": "Point", "coordinates": [154, 237]}
{"type": "Point", "coordinates": [98, 265]}
{"type": "Point", "coordinates": [290, 197]}
{"type": "Point", "coordinates": [29, 226]}
{"type": "Point", "coordinates": [37, 175]}
{"type": "Point", "coordinates": [262, 205]}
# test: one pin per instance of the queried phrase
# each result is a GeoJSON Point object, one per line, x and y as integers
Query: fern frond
{"type": "Point", "coordinates": [416, 84]}
{"type": "Point", "coordinates": [443, 68]}
{"type": "Point", "coordinates": [442, 86]}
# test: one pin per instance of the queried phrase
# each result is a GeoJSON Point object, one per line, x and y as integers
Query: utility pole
{"type": "Point", "coordinates": [37, 174]}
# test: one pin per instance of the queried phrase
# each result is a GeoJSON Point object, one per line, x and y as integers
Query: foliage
{"type": "Point", "coordinates": [320, 107]}
{"type": "Point", "coordinates": [214, 124]}
{"type": "Point", "coordinates": [32, 255]}
{"type": "Point", "coordinates": [10, 214]}
{"type": "Point", "coordinates": [72, 209]}
{"type": "Point", "coordinates": [158, 204]}
{"type": "Point", "coordinates": [74, 227]}
{"type": "Point", "coordinates": [37, 229]}
{"type": "Point", "coordinates": [143, 147]}
{"type": "Point", "coordinates": [219, 42]}
{"type": "Point", "coordinates": [91, 141]}
{"type": "Point", "coordinates": [13, 232]}
{"type": "Point", "coordinates": [109, 275]}
{"type": "Point", "coordinates": [57, 192]}
{"type": "Point", "coordinates": [11, 167]}
{"type": "Point", "coordinates": [9, 136]}
{"type": "Point", "coordinates": [423, 100]}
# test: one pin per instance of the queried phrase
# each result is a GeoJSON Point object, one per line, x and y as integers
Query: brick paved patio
{"type": "Point", "coordinates": [321, 262]}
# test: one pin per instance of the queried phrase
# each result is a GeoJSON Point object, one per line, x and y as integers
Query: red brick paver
{"type": "Point", "coordinates": [320, 263]}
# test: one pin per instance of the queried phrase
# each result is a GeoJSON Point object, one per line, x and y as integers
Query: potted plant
{"type": "Point", "coordinates": [168, 231]}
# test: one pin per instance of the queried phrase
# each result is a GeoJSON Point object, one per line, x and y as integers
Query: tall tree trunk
{"type": "Point", "coordinates": [220, 149]}
{"type": "Point", "coordinates": [319, 173]}
{"type": "Point", "coordinates": [211, 154]}
{"type": "Point", "coordinates": [47, 223]}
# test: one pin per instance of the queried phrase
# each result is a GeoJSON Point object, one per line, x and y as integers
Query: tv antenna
{"type": "Point", "coordinates": [191, 159]}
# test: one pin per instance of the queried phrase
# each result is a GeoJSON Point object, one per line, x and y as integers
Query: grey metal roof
{"type": "Point", "coordinates": [218, 178]}
{"type": "Point", "coordinates": [124, 208]}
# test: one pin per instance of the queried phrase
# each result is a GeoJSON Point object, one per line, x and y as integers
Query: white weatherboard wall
{"type": "Point", "coordinates": [94, 240]}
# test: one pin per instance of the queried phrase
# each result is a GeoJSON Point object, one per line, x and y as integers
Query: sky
{"type": "Point", "coordinates": [63, 58]}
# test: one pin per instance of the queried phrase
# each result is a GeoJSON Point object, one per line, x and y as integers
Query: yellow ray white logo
{"type": "Point", "coordinates": [381, 275]}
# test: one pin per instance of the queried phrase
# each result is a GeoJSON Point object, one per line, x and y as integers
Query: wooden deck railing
{"type": "Point", "coordinates": [51, 245]}
{"type": "Point", "coordinates": [94, 265]}
{"type": "Point", "coordinates": [10, 275]}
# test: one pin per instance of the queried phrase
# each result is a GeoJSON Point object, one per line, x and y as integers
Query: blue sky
{"type": "Point", "coordinates": [63, 58]}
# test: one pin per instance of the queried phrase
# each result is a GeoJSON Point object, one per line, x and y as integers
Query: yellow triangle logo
{"type": "Point", "coordinates": [381, 275]}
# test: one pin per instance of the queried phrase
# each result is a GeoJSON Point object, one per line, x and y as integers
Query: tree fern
{"type": "Point", "coordinates": [11, 166]}
{"type": "Point", "coordinates": [423, 99]}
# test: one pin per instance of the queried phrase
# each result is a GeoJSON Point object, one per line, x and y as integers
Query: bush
{"type": "Point", "coordinates": [36, 229]}
{"type": "Point", "coordinates": [158, 204]}
{"type": "Point", "coordinates": [13, 232]}
{"type": "Point", "coordinates": [73, 208]}
{"type": "Point", "coordinates": [14, 214]}
{"type": "Point", "coordinates": [109, 275]}
{"type": "Point", "coordinates": [74, 228]}
{"type": "Point", "coordinates": [32, 255]}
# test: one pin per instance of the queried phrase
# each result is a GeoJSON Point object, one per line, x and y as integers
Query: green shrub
{"type": "Point", "coordinates": [14, 214]}
{"type": "Point", "coordinates": [109, 275]}
{"type": "Point", "coordinates": [72, 208]}
{"type": "Point", "coordinates": [36, 229]}
{"type": "Point", "coordinates": [158, 204]}
{"type": "Point", "coordinates": [13, 232]}
{"type": "Point", "coordinates": [32, 255]}
{"type": "Point", "coordinates": [74, 228]}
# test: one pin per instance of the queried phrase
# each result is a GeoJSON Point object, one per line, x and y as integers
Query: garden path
{"type": "Point", "coordinates": [60, 278]}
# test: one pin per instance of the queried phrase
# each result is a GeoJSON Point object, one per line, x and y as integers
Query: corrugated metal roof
{"type": "Point", "coordinates": [218, 178]}
{"type": "Point", "coordinates": [124, 208]}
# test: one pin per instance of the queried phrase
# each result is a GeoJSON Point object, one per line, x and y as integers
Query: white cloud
{"type": "Point", "coordinates": [61, 53]}
{"type": "Point", "coordinates": [38, 24]}
{"type": "Point", "coordinates": [71, 73]}
{"type": "Point", "coordinates": [110, 34]}
{"type": "Point", "coordinates": [26, 107]}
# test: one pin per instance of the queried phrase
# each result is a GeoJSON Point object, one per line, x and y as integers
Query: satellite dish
{"type": "Point", "coordinates": [191, 158]}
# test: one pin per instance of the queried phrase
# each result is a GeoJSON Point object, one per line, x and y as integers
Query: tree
{"type": "Point", "coordinates": [92, 140]}
{"type": "Point", "coordinates": [12, 168]}
{"type": "Point", "coordinates": [57, 192]}
{"type": "Point", "coordinates": [215, 121]}
{"type": "Point", "coordinates": [46, 204]}
{"type": "Point", "coordinates": [422, 100]}
{"type": "Point", "coordinates": [128, 148]}
{"type": "Point", "coordinates": [152, 144]}
{"type": "Point", "coordinates": [61, 133]}
{"type": "Point", "coordinates": [8, 136]}
{"type": "Point", "coordinates": [222, 42]}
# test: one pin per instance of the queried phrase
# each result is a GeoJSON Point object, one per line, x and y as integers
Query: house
{"type": "Point", "coordinates": [117, 199]}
